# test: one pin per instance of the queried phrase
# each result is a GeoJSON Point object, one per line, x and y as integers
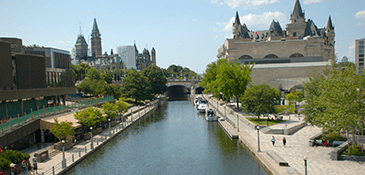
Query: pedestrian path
{"type": "Point", "coordinates": [83, 149]}
{"type": "Point", "coordinates": [297, 147]}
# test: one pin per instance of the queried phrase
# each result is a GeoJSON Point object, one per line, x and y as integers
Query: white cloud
{"type": "Point", "coordinates": [306, 2]}
{"type": "Point", "coordinates": [360, 14]}
{"type": "Point", "coordinates": [360, 24]}
{"type": "Point", "coordinates": [351, 50]}
{"type": "Point", "coordinates": [244, 3]}
{"type": "Point", "coordinates": [255, 21]}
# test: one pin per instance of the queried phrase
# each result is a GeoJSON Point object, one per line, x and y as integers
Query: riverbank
{"type": "Point", "coordinates": [83, 149]}
{"type": "Point", "coordinates": [297, 146]}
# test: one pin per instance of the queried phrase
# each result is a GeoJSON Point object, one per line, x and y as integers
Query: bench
{"type": "Point", "coordinates": [277, 158]}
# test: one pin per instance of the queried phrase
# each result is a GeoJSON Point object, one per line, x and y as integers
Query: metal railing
{"type": "Point", "coordinates": [46, 111]}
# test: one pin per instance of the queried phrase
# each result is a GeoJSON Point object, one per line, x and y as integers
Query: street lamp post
{"type": "Point", "coordinates": [63, 154]}
{"type": "Point", "coordinates": [109, 126]}
{"type": "Point", "coordinates": [258, 138]}
{"type": "Point", "coordinates": [305, 158]}
{"type": "Point", "coordinates": [92, 143]}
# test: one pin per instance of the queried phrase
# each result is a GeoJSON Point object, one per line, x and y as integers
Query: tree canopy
{"type": "Point", "coordinates": [137, 86]}
{"type": "Point", "coordinates": [260, 99]}
{"type": "Point", "coordinates": [156, 78]}
{"type": "Point", "coordinates": [63, 129]}
{"type": "Point", "coordinates": [89, 117]}
{"type": "Point", "coordinates": [334, 100]}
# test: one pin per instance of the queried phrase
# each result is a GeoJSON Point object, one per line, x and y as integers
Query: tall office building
{"type": "Point", "coordinates": [359, 55]}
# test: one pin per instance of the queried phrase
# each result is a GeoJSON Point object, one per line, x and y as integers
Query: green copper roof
{"type": "Point", "coordinates": [81, 41]}
{"type": "Point", "coordinates": [95, 28]}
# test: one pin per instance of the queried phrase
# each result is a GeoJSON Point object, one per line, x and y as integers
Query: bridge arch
{"type": "Point", "coordinates": [271, 56]}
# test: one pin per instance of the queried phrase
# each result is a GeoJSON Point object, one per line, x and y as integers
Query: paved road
{"type": "Point", "coordinates": [297, 147]}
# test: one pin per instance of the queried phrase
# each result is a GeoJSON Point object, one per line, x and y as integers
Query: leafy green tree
{"type": "Point", "coordinates": [63, 129]}
{"type": "Point", "coordinates": [156, 78]}
{"type": "Point", "coordinates": [110, 109]}
{"type": "Point", "coordinates": [299, 96]}
{"type": "Point", "coordinates": [260, 99]}
{"type": "Point", "coordinates": [122, 107]}
{"type": "Point", "coordinates": [93, 74]}
{"type": "Point", "coordinates": [82, 68]}
{"type": "Point", "coordinates": [334, 100]}
{"type": "Point", "coordinates": [137, 86]}
{"type": "Point", "coordinates": [106, 77]}
{"type": "Point", "coordinates": [291, 99]}
{"type": "Point", "coordinates": [209, 78]}
{"type": "Point", "coordinates": [87, 86]}
{"type": "Point", "coordinates": [233, 78]}
{"type": "Point", "coordinates": [89, 117]}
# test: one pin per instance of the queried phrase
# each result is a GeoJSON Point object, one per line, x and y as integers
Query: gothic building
{"type": "Point", "coordinates": [283, 58]}
{"type": "Point", "coordinates": [96, 41]}
{"type": "Point", "coordinates": [301, 38]}
{"type": "Point", "coordinates": [81, 47]}
{"type": "Point", "coordinates": [145, 59]}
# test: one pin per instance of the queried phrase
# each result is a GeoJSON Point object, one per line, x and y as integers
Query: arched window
{"type": "Point", "coordinates": [271, 56]}
{"type": "Point", "coordinates": [245, 57]}
{"type": "Point", "coordinates": [296, 55]}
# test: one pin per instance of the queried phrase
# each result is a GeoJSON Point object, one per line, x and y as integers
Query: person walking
{"type": "Point", "coordinates": [273, 140]}
{"type": "Point", "coordinates": [24, 167]}
{"type": "Point", "coordinates": [29, 167]}
{"type": "Point", "coordinates": [284, 141]}
{"type": "Point", "coordinates": [35, 167]}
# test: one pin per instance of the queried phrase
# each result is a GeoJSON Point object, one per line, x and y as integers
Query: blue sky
{"type": "Point", "coordinates": [186, 33]}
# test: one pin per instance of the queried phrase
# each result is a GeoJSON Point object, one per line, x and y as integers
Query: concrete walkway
{"type": "Point", "coordinates": [297, 147]}
{"type": "Point", "coordinates": [82, 150]}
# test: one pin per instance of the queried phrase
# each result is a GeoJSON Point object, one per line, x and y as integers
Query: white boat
{"type": "Point", "coordinates": [196, 100]}
{"type": "Point", "coordinates": [211, 115]}
{"type": "Point", "coordinates": [203, 105]}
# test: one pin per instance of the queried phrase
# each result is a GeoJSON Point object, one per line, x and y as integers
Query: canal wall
{"type": "Point", "coordinates": [229, 125]}
{"type": "Point", "coordinates": [81, 151]}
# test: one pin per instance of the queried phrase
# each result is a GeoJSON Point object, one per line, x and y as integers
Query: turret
{"type": "Point", "coordinates": [297, 15]}
{"type": "Point", "coordinates": [236, 28]}
{"type": "Point", "coordinates": [153, 54]}
{"type": "Point", "coordinates": [96, 49]}
{"type": "Point", "coordinates": [330, 32]}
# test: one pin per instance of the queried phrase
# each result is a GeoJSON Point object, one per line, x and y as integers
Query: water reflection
{"type": "Point", "coordinates": [173, 139]}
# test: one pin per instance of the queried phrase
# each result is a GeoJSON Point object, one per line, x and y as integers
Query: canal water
{"type": "Point", "coordinates": [173, 139]}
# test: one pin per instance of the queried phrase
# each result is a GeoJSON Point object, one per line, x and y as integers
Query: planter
{"type": "Point", "coordinates": [67, 145]}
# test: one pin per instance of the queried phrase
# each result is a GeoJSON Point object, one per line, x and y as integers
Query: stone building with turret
{"type": "Point", "coordinates": [283, 58]}
{"type": "Point", "coordinates": [96, 49]}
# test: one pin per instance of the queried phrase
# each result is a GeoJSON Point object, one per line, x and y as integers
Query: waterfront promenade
{"type": "Point", "coordinates": [81, 150]}
{"type": "Point", "coordinates": [297, 147]}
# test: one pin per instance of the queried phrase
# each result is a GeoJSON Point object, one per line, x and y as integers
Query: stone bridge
{"type": "Point", "coordinates": [182, 87]}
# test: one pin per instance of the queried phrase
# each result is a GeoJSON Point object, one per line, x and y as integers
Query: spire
{"type": "Point", "coordinates": [329, 24]}
{"type": "Point", "coordinates": [95, 32]}
{"type": "Point", "coordinates": [297, 12]}
{"type": "Point", "coordinates": [237, 20]}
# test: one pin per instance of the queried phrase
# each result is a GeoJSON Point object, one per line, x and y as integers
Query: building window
{"type": "Point", "coordinates": [361, 51]}
{"type": "Point", "coordinates": [361, 42]}
{"type": "Point", "coordinates": [294, 34]}
{"type": "Point", "coordinates": [361, 47]}
{"type": "Point", "coordinates": [361, 64]}
{"type": "Point", "coordinates": [361, 68]}
{"type": "Point", "coordinates": [361, 59]}
{"type": "Point", "coordinates": [361, 55]}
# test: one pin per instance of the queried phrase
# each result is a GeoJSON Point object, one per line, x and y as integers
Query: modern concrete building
{"type": "Point", "coordinates": [27, 82]}
{"type": "Point", "coordinates": [128, 56]}
{"type": "Point", "coordinates": [285, 57]}
{"type": "Point", "coordinates": [359, 55]}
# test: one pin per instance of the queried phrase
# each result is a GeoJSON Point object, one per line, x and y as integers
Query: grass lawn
{"type": "Point", "coordinates": [132, 101]}
{"type": "Point", "coordinates": [262, 121]}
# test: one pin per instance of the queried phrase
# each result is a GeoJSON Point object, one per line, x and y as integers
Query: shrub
{"type": "Point", "coordinates": [14, 156]}
{"type": "Point", "coordinates": [4, 163]}
{"type": "Point", "coordinates": [355, 152]}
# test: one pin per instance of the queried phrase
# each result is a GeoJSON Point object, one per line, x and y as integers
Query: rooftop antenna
{"type": "Point", "coordinates": [80, 32]}
{"type": "Point", "coordinates": [94, 15]}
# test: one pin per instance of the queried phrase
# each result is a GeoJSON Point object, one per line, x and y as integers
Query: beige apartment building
{"type": "Point", "coordinates": [359, 55]}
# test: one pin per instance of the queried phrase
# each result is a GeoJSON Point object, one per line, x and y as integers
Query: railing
{"type": "Point", "coordinates": [46, 111]}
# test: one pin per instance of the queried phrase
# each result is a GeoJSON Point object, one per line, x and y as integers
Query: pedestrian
{"type": "Point", "coordinates": [1, 172]}
{"type": "Point", "coordinates": [24, 166]}
{"type": "Point", "coordinates": [273, 140]}
{"type": "Point", "coordinates": [35, 167]}
{"type": "Point", "coordinates": [29, 167]}
{"type": "Point", "coordinates": [284, 141]}
{"type": "Point", "coordinates": [35, 157]}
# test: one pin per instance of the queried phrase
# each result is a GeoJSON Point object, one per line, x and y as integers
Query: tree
{"type": "Point", "coordinates": [63, 129]}
{"type": "Point", "coordinates": [209, 79]}
{"type": "Point", "coordinates": [233, 78]}
{"type": "Point", "coordinates": [110, 109]}
{"type": "Point", "coordinates": [260, 99]}
{"type": "Point", "coordinates": [299, 96]}
{"type": "Point", "coordinates": [156, 78]}
{"type": "Point", "coordinates": [93, 74]}
{"type": "Point", "coordinates": [291, 106]}
{"type": "Point", "coordinates": [122, 107]}
{"type": "Point", "coordinates": [137, 86]}
{"type": "Point", "coordinates": [106, 77]}
{"type": "Point", "coordinates": [89, 117]}
{"type": "Point", "coordinates": [82, 68]}
{"type": "Point", "coordinates": [334, 100]}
